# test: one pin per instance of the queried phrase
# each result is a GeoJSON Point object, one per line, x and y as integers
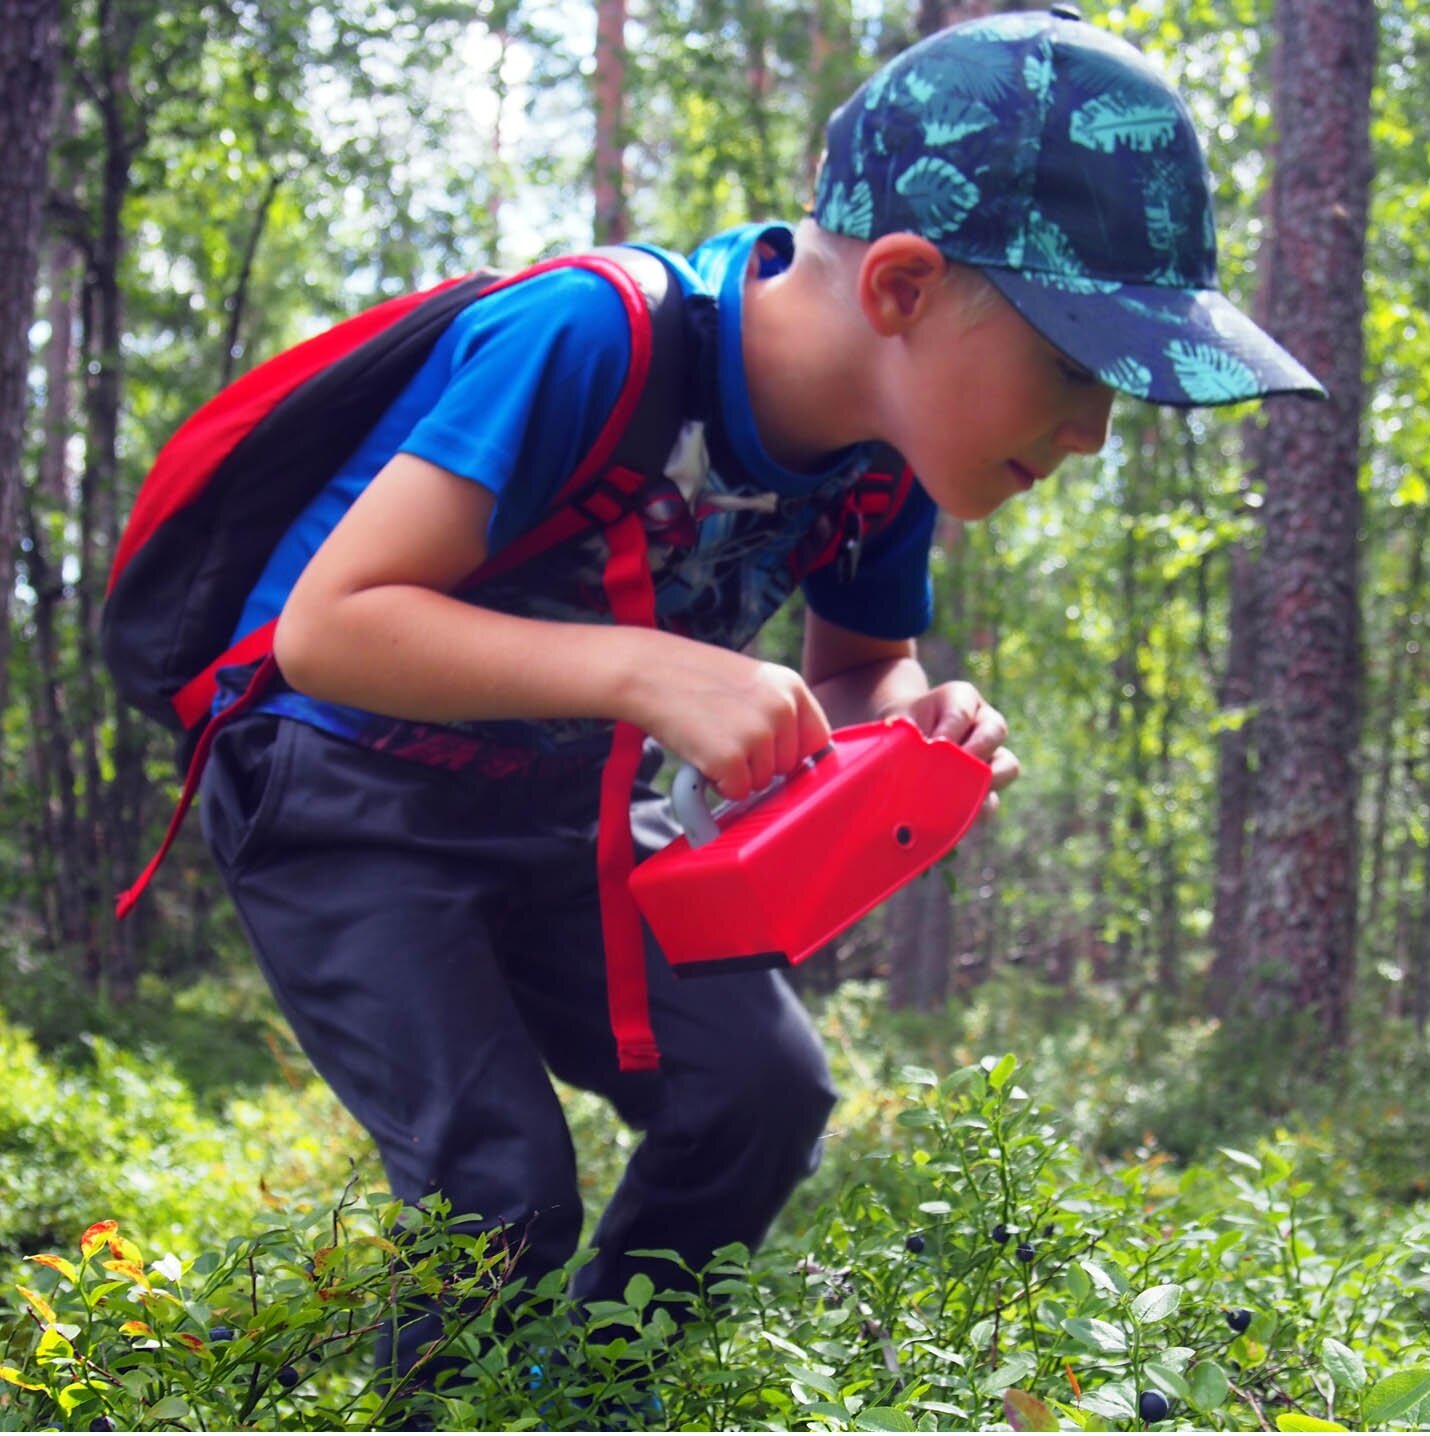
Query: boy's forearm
{"type": "Point", "coordinates": [418, 654]}
{"type": "Point", "coordinates": [408, 652]}
{"type": "Point", "coordinates": [871, 691]}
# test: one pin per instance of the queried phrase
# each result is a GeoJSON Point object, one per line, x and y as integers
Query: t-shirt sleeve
{"type": "Point", "coordinates": [535, 371]}
{"type": "Point", "coordinates": [891, 593]}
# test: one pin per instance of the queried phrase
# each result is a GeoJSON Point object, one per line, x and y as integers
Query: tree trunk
{"type": "Point", "coordinates": [612, 223]}
{"type": "Point", "coordinates": [1390, 727]}
{"type": "Point", "coordinates": [920, 914]}
{"type": "Point", "coordinates": [1234, 782]}
{"type": "Point", "coordinates": [1301, 891]}
{"type": "Point", "coordinates": [29, 60]}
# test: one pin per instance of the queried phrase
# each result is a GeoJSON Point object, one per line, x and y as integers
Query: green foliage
{"type": "Point", "coordinates": [120, 1131]}
{"type": "Point", "coordinates": [967, 1257]}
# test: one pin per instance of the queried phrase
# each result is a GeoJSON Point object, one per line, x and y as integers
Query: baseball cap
{"type": "Point", "coordinates": [1052, 157]}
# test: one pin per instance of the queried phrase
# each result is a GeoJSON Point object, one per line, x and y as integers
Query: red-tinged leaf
{"type": "Point", "coordinates": [1072, 1379]}
{"type": "Point", "coordinates": [57, 1263]}
{"type": "Point", "coordinates": [136, 1328]}
{"type": "Point", "coordinates": [123, 1249]}
{"type": "Point", "coordinates": [192, 1342]}
{"type": "Point", "coordinates": [17, 1378]}
{"type": "Point", "coordinates": [96, 1236]}
{"type": "Point", "coordinates": [1026, 1413]}
{"type": "Point", "coordinates": [38, 1304]}
{"type": "Point", "coordinates": [129, 1269]}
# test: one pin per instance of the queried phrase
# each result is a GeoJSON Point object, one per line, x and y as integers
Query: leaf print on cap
{"type": "Point", "coordinates": [849, 212]}
{"type": "Point", "coordinates": [1151, 311]}
{"type": "Point", "coordinates": [1210, 376]}
{"type": "Point", "coordinates": [1127, 376]}
{"type": "Point", "coordinates": [940, 195]}
{"type": "Point", "coordinates": [985, 72]}
{"type": "Point", "coordinates": [1038, 74]}
{"type": "Point", "coordinates": [951, 119]}
{"type": "Point", "coordinates": [1108, 121]}
{"type": "Point", "coordinates": [921, 89]}
{"type": "Point", "coordinates": [1049, 257]}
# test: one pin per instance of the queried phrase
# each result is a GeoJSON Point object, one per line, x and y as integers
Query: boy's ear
{"type": "Point", "coordinates": [897, 279]}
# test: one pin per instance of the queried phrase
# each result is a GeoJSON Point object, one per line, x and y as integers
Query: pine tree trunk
{"type": "Point", "coordinates": [1301, 891]}
{"type": "Point", "coordinates": [612, 224]}
{"type": "Point", "coordinates": [29, 59]}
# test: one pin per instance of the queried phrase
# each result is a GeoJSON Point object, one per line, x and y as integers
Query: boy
{"type": "Point", "coordinates": [1012, 220]}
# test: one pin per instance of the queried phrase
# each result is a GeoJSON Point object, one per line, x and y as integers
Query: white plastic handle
{"type": "Point", "coordinates": [688, 798]}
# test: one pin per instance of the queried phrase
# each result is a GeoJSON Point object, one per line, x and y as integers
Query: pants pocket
{"type": "Point", "coordinates": [243, 787]}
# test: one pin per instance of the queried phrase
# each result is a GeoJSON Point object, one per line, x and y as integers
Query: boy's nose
{"type": "Point", "coordinates": [1085, 431]}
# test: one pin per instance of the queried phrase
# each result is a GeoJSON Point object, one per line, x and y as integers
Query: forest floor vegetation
{"type": "Point", "coordinates": [1032, 1212]}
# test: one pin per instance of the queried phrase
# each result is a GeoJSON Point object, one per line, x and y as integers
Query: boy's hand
{"type": "Point", "coordinates": [740, 721]}
{"type": "Point", "coordinates": [956, 711]}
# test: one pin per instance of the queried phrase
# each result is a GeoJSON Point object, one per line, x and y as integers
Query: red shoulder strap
{"type": "Point", "coordinates": [194, 700]}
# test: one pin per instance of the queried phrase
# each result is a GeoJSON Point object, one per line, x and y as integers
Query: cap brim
{"type": "Point", "coordinates": [1188, 347]}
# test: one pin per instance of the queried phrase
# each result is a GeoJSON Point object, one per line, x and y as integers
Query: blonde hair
{"type": "Point", "coordinates": [836, 257]}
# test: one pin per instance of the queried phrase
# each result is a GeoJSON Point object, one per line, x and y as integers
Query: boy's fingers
{"type": "Point", "coordinates": [1006, 768]}
{"type": "Point", "coordinates": [814, 729]}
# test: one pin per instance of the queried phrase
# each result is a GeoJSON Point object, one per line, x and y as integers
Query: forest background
{"type": "Point", "coordinates": [1203, 915]}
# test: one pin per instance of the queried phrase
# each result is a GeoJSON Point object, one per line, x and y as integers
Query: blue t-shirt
{"type": "Point", "coordinates": [513, 396]}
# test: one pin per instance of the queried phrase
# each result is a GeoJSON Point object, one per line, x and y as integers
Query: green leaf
{"type": "Point", "coordinates": [16, 1377]}
{"type": "Point", "coordinates": [1026, 1413]}
{"type": "Point", "coordinates": [1111, 1401]}
{"type": "Point", "coordinates": [920, 1076]}
{"type": "Point", "coordinates": [1112, 1282]}
{"type": "Point", "coordinates": [639, 1290]}
{"type": "Point", "coordinates": [1244, 1159]}
{"type": "Point", "coordinates": [1156, 1304]}
{"type": "Point", "coordinates": [998, 1077]}
{"type": "Point", "coordinates": [1395, 1394]}
{"type": "Point", "coordinates": [1277, 1168]}
{"type": "Point", "coordinates": [1078, 1282]}
{"type": "Point", "coordinates": [1020, 1365]}
{"type": "Point", "coordinates": [1098, 1334]}
{"type": "Point", "coordinates": [1208, 1386]}
{"type": "Point", "coordinates": [883, 1418]}
{"type": "Point", "coordinates": [171, 1408]}
{"type": "Point", "coordinates": [1295, 1421]}
{"type": "Point", "coordinates": [814, 1380]}
{"type": "Point", "coordinates": [832, 1409]}
{"type": "Point", "coordinates": [1343, 1365]}
{"type": "Point", "coordinates": [1171, 1383]}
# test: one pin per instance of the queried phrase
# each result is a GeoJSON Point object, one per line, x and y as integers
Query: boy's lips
{"type": "Point", "coordinates": [1026, 477]}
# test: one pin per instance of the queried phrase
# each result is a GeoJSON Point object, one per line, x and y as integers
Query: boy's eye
{"type": "Point", "coordinates": [1075, 373]}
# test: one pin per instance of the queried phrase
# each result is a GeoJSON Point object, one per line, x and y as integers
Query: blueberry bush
{"type": "Point", "coordinates": [964, 1261]}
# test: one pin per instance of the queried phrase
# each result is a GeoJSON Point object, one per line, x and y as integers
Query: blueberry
{"type": "Point", "coordinates": [1000, 1234]}
{"type": "Point", "coordinates": [288, 1376]}
{"type": "Point", "coordinates": [1026, 1251]}
{"type": "Point", "coordinates": [102, 1423]}
{"type": "Point", "coordinates": [221, 1333]}
{"type": "Point", "coordinates": [1152, 1406]}
{"type": "Point", "coordinates": [914, 1242]}
{"type": "Point", "coordinates": [1239, 1319]}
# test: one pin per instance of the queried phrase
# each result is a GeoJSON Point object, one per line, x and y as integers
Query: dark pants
{"type": "Point", "coordinates": [434, 939]}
